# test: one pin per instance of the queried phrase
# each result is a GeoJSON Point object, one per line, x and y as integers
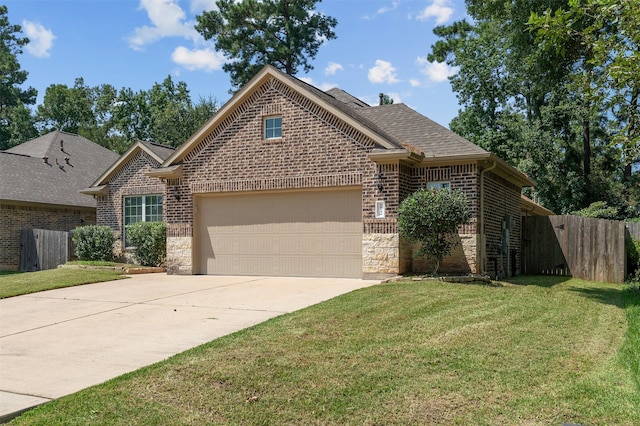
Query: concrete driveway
{"type": "Point", "coordinates": [58, 342]}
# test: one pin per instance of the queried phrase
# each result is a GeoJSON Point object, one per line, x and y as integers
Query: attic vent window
{"type": "Point", "coordinates": [273, 127]}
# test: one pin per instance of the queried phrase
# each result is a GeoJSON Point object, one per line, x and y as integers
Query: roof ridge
{"type": "Point", "coordinates": [20, 155]}
{"type": "Point", "coordinates": [157, 144]}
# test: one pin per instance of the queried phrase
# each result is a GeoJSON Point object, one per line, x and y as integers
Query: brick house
{"type": "Point", "coordinates": [286, 179]}
{"type": "Point", "coordinates": [39, 184]}
{"type": "Point", "coordinates": [125, 194]}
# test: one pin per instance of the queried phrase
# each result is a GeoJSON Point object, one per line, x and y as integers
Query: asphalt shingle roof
{"type": "Point", "coordinates": [408, 126]}
{"type": "Point", "coordinates": [161, 151]}
{"type": "Point", "coordinates": [71, 165]}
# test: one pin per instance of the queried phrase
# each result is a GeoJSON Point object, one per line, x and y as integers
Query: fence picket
{"type": "Point", "coordinates": [591, 249]}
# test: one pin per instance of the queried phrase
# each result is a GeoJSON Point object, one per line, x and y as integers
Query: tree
{"type": "Point", "coordinates": [67, 109]}
{"type": "Point", "coordinates": [385, 99]}
{"type": "Point", "coordinates": [431, 218]}
{"type": "Point", "coordinates": [608, 33]}
{"type": "Point", "coordinates": [253, 33]}
{"type": "Point", "coordinates": [12, 96]}
{"type": "Point", "coordinates": [519, 102]}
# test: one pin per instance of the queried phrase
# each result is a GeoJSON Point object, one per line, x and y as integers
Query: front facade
{"type": "Point", "coordinates": [288, 180]}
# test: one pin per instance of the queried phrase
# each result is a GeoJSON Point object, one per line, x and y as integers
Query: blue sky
{"type": "Point", "coordinates": [381, 46]}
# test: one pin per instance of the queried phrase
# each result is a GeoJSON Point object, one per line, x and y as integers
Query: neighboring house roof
{"type": "Point", "coordinates": [346, 98]}
{"type": "Point", "coordinates": [72, 162]}
{"type": "Point", "coordinates": [396, 129]}
{"type": "Point", "coordinates": [531, 208]}
{"type": "Point", "coordinates": [156, 151]}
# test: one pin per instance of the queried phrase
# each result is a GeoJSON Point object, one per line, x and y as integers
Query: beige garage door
{"type": "Point", "coordinates": [307, 233]}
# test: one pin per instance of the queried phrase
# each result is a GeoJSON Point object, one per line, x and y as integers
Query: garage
{"type": "Point", "coordinates": [311, 233]}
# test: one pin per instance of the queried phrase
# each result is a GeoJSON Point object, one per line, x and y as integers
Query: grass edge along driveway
{"type": "Point", "coordinates": [16, 284]}
{"type": "Point", "coordinates": [554, 351]}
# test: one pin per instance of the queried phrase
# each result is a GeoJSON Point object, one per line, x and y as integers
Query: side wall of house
{"type": "Point", "coordinates": [502, 200]}
{"type": "Point", "coordinates": [15, 217]}
{"type": "Point", "coordinates": [129, 180]}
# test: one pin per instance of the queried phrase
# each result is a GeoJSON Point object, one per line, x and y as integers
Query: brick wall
{"type": "Point", "coordinates": [316, 150]}
{"type": "Point", "coordinates": [129, 180]}
{"type": "Point", "coordinates": [501, 198]}
{"type": "Point", "coordinates": [14, 217]}
{"type": "Point", "coordinates": [463, 177]}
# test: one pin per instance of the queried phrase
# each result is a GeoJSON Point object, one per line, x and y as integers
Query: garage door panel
{"type": "Point", "coordinates": [308, 233]}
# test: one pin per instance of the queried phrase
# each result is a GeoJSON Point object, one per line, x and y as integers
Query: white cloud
{"type": "Point", "coordinates": [326, 86]}
{"type": "Point", "coordinates": [383, 72]}
{"type": "Point", "coordinates": [436, 72]}
{"type": "Point", "coordinates": [198, 59]}
{"type": "Point", "coordinates": [385, 9]}
{"type": "Point", "coordinates": [40, 39]}
{"type": "Point", "coordinates": [167, 19]}
{"type": "Point", "coordinates": [414, 82]}
{"type": "Point", "coordinates": [332, 68]}
{"type": "Point", "coordinates": [439, 9]}
{"type": "Point", "coordinates": [198, 6]}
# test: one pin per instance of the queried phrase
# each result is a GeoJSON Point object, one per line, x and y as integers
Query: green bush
{"type": "Point", "coordinates": [149, 241]}
{"type": "Point", "coordinates": [431, 218]}
{"type": "Point", "coordinates": [632, 247]}
{"type": "Point", "coordinates": [600, 210]}
{"type": "Point", "coordinates": [93, 242]}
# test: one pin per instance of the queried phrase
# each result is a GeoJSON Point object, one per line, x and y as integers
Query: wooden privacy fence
{"type": "Point", "coordinates": [633, 230]}
{"type": "Point", "coordinates": [591, 249]}
{"type": "Point", "coordinates": [43, 249]}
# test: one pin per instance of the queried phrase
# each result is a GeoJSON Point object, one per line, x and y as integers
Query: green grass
{"type": "Point", "coordinates": [32, 282]}
{"type": "Point", "coordinates": [539, 351]}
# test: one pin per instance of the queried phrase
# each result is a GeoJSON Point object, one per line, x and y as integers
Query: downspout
{"type": "Point", "coordinates": [482, 246]}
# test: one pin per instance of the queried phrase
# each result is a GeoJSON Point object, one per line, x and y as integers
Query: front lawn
{"type": "Point", "coordinates": [542, 351]}
{"type": "Point", "coordinates": [31, 282]}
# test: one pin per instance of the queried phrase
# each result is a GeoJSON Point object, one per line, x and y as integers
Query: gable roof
{"type": "Point", "coordinates": [396, 129]}
{"type": "Point", "coordinates": [328, 102]}
{"type": "Point", "coordinates": [72, 163]}
{"type": "Point", "coordinates": [156, 151]}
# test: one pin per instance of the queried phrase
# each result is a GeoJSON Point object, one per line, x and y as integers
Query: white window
{"type": "Point", "coordinates": [141, 208]}
{"type": "Point", "coordinates": [273, 127]}
{"type": "Point", "coordinates": [380, 213]}
{"type": "Point", "coordinates": [439, 185]}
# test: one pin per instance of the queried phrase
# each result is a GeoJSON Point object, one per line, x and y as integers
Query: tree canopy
{"type": "Point", "coordinates": [252, 33]}
{"type": "Point", "coordinates": [528, 84]}
{"type": "Point", "coordinates": [12, 97]}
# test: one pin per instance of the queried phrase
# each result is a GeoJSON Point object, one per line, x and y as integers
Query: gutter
{"type": "Point", "coordinates": [482, 246]}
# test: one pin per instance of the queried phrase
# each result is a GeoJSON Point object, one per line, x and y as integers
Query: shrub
{"type": "Point", "coordinates": [632, 247]}
{"type": "Point", "coordinates": [93, 242]}
{"type": "Point", "coordinates": [598, 209]}
{"type": "Point", "coordinates": [149, 240]}
{"type": "Point", "coordinates": [431, 218]}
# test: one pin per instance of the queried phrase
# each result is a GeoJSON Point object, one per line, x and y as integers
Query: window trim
{"type": "Point", "coordinates": [440, 184]}
{"type": "Point", "coordinates": [143, 215]}
{"type": "Point", "coordinates": [266, 120]}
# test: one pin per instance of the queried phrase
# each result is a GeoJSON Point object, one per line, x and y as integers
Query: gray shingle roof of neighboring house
{"type": "Point", "coordinates": [73, 162]}
{"type": "Point", "coordinates": [408, 126]}
{"type": "Point", "coordinates": [161, 151]}
{"type": "Point", "coordinates": [346, 98]}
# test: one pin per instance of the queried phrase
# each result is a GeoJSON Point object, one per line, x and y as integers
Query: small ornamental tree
{"type": "Point", "coordinates": [431, 217]}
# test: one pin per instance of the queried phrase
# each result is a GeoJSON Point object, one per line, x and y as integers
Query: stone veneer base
{"type": "Point", "coordinates": [179, 261]}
